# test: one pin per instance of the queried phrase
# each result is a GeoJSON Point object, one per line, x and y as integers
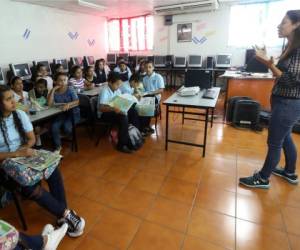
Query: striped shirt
{"type": "Point", "coordinates": [79, 84]}
{"type": "Point", "coordinates": [288, 85]}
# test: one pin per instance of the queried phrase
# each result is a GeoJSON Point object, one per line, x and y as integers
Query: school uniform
{"type": "Point", "coordinates": [65, 119]}
{"type": "Point", "coordinates": [121, 120]}
{"type": "Point", "coordinates": [101, 76]}
{"type": "Point", "coordinates": [125, 76]}
{"type": "Point", "coordinates": [40, 99]}
{"type": "Point", "coordinates": [49, 82]}
{"type": "Point", "coordinates": [25, 97]}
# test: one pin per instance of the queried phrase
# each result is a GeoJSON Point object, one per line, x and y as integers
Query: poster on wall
{"type": "Point", "coordinates": [184, 32]}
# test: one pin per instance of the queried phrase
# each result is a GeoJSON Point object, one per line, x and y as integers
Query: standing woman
{"type": "Point", "coordinates": [285, 104]}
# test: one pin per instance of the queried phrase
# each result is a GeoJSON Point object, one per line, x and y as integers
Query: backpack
{"type": "Point", "coordinates": [231, 105]}
{"type": "Point", "coordinates": [135, 137]}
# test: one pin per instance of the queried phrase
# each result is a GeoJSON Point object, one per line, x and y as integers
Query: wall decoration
{"type": "Point", "coordinates": [91, 42]}
{"type": "Point", "coordinates": [199, 40]}
{"type": "Point", "coordinates": [26, 34]}
{"type": "Point", "coordinates": [73, 35]}
{"type": "Point", "coordinates": [184, 32]}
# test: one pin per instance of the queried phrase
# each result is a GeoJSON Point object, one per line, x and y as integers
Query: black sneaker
{"type": "Point", "coordinates": [255, 181]}
{"type": "Point", "coordinates": [150, 130]}
{"type": "Point", "coordinates": [76, 224]}
{"type": "Point", "coordinates": [291, 178]}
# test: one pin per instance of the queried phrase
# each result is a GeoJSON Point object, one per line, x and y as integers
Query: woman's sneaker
{"type": "Point", "coordinates": [255, 181]}
{"type": "Point", "coordinates": [55, 237]}
{"type": "Point", "coordinates": [48, 229]}
{"type": "Point", "coordinates": [291, 178]}
{"type": "Point", "coordinates": [76, 224]}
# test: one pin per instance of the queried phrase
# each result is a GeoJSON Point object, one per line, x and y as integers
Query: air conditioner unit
{"type": "Point", "coordinates": [199, 6]}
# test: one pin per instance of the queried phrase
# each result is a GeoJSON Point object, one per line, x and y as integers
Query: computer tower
{"type": "Point", "coordinates": [169, 60]}
{"type": "Point", "coordinates": [252, 64]}
{"type": "Point", "coordinates": [210, 62]}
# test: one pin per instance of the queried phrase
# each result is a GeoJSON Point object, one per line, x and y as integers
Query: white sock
{"type": "Point", "coordinates": [54, 238]}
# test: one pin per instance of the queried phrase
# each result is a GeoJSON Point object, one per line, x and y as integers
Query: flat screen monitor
{"type": "Point", "coordinates": [1, 77]}
{"type": "Point", "coordinates": [223, 61]}
{"type": "Point", "coordinates": [45, 63]}
{"type": "Point", "coordinates": [88, 61]}
{"type": "Point", "coordinates": [252, 64]}
{"type": "Point", "coordinates": [150, 58]}
{"type": "Point", "coordinates": [22, 70]}
{"type": "Point", "coordinates": [63, 62]}
{"type": "Point", "coordinates": [111, 58]}
{"type": "Point", "coordinates": [179, 62]}
{"type": "Point", "coordinates": [77, 61]}
{"type": "Point", "coordinates": [195, 61]}
{"type": "Point", "coordinates": [199, 78]}
{"type": "Point", "coordinates": [123, 56]}
{"type": "Point", "coordinates": [160, 61]}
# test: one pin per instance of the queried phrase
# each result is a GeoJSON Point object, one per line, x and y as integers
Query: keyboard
{"type": "Point", "coordinates": [210, 94]}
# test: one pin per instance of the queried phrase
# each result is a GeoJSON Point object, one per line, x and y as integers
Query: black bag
{"type": "Point", "coordinates": [246, 114]}
{"type": "Point", "coordinates": [135, 137]}
{"type": "Point", "coordinates": [231, 104]}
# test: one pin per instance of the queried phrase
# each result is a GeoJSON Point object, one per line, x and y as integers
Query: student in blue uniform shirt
{"type": "Point", "coordinates": [114, 115]}
{"type": "Point", "coordinates": [125, 74]}
{"type": "Point", "coordinates": [154, 83]}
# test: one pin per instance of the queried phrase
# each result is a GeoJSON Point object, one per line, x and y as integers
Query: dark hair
{"type": "Point", "coordinates": [134, 78]}
{"type": "Point", "coordinates": [88, 68]}
{"type": "Point", "coordinates": [57, 66]}
{"type": "Point", "coordinates": [98, 63]}
{"type": "Point", "coordinates": [17, 120]}
{"type": "Point", "coordinates": [39, 66]}
{"type": "Point", "coordinates": [14, 79]}
{"type": "Point", "coordinates": [294, 16]}
{"type": "Point", "coordinates": [74, 69]}
{"type": "Point", "coordinates": [41, 81]}
{"type": "Point", "coordinates": [122, 62]}
{"type": "Point", "coordinates": [113, 77]}
{"type": "Point", "coordinates": [57, 75]}
{"type": "Point", "coordinates": [149, 62]}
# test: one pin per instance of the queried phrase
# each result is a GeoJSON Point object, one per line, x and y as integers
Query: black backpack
{"type": "Point", "coordinates": [231, 105]}
{"type": "Point", "coordinates": [135, 137]}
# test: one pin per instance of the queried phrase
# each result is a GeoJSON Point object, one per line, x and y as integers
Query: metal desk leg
{"type": "Point", "coordinates": [167, 127]}
{"type": "Point", "coordinates": [182, 115]}
{"type": "Point", "coordinates": [205, 132]}
{"type": "Point", "coordinates": [212, 117]}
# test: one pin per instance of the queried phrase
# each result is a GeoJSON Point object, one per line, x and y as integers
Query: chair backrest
{"type": "Point", "coordinates": [85, 106]}
{"type": "Point", "coordinates": [94, 106]}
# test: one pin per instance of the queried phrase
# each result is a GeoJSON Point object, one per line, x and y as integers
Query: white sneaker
{"type": "Point", "coordinates": [54, 238]}
{"type": "Point", "coordinates": [48, 229]}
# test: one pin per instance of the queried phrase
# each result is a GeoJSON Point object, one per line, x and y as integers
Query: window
{"type": "Point", "coordinates": [130, 34]}
{"type": "Point", "coordinates": [252, 24]}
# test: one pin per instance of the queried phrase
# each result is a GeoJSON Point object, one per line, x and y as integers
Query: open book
{"type": "Point", "coordinates": [146, 106]}
{"type": "Point", "coordinates": [123, 102]}
{"type": "Point", "coordinates": [40, 161]}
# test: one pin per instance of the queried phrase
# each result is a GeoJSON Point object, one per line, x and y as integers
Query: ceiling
{"type": "Point", "coordinates": [113, 8]}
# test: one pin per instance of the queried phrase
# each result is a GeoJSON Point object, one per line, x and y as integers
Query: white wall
{"type": "Point", "coordinates": [212, 25]}
{"type": "Point", "coordinates": [48, 38]}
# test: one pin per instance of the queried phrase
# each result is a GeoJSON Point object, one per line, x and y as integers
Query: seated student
{"type": "Point", "coordinates": [49, 239]}
{"type": "Point", "coordinates": [76, 80]}
{"type": "Point", "coordinates": [154, 83]}
{"type": "Point", "coordinates": [16, 140]}
{"type": "Point", "coordinates": [101, 70]}
{"type": "Point", "coordinates": [137, 86]}
{"type": "Point", "coordinates": [125, 75]}
{"type": "Point", "coordinates": [39, 92]}
{"type": "Point", "coordinates": [140, 69]}
{"type": "Point", "coordinates": [114, 115]}
{"type": "Point", "coordinates": [66, 95]}
{"type": "Point", "coordinates": [41, 71]}
{"type": "Point", "coordinates": [58, 69]}
{"type": "Point", "coordinates": [90, 78]}
{"type": "Point", "coordinates": [21, 96]}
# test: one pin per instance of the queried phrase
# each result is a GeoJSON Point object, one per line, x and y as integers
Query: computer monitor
{"type": "Point", "coordinates": [88, 61]}
{"type": "Point", "coordinates": [22, 70]}
{"type": "Point", "coordinates": [77, 61]}
{"type": "Point", "coordinates": [252, 64]}
{"type": "Point", "coordinates": [223, 60]}
{"type": "Point", "coordinates": [150, 58]}
{"type": "Point", "coordinates": [1, 77]}
{"type": "Point", "coordinates": [179, 62]}
{"type": "Point", "coordinates": [199, 78]}
{"type": "Point", "coordinates": [111, 58]}
{"type": "Point", "coordinates": [63, 62]}
{"type": "Point", "coordinates": [159, 61]}
{"type": "Point", "coordinates": [132, 60]}
{"type": "Point", "coordinates": [194, 61]}
{"type": "Point", "coordinates": [123, 56]}
{"type": "Point", "coordinates": [45, 63]}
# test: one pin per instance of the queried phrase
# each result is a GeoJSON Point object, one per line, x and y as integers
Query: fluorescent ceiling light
{"type": "Point", "coordinates": [91, 5]}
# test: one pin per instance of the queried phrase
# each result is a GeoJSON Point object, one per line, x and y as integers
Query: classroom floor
{"type": "Point", "coordinates": [158, 200]}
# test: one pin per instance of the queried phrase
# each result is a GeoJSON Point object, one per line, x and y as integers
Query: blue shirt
{"type": "Point", "coordinates": [125, 88]}
{"type": "Point", "coordinates": [154, 82]}
{"type": "Point", "coordinates": [13, 137]}
{"type": "Point", "coordinates": [105, 96]}
{"type": "Point", "coordinates": [117, 69]}
{"type": "Point", "coordinates": [68, 96]}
